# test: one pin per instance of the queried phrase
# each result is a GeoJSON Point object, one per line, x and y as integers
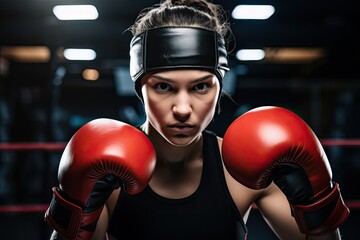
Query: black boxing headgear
{"type": "Point", "coordinates": [167, 48]}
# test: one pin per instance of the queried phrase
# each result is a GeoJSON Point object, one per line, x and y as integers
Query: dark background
{"type": "Point", "coordinates": [46, 102]}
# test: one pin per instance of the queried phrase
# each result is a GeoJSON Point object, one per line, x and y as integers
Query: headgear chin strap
{"type": "Point", "coordinates": [168, 48]}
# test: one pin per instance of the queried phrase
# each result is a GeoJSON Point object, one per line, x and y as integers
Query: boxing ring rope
{"type": "Point", "coordinates": [33, 146]}
{"type": "Point", "coordinates": [34, 208]}
{"type": "Point", "coordinates": [61, 145]}
{"type": "Point", "coordinates": [28, 208]}
{"type": "Point", "coordinates": [340, 142]}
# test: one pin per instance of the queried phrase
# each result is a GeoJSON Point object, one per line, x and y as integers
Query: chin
{"type": "Point", "coordinates": [181, 140]}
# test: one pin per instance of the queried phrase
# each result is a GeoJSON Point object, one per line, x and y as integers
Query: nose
{"type": "Point", "coordinates": [182, 107]}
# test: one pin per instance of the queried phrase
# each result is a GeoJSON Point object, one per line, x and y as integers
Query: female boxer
{"type": "Point", "coordinates": [202, 186]}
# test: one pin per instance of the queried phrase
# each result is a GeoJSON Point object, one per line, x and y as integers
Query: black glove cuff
{"type": "Point", "coordinates": [63, 216]}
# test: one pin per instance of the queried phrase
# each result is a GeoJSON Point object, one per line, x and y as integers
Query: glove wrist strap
{"type": "Point", "coordinates": [69, 220]}
{"type": "Point", "coordinates": [325, 215]}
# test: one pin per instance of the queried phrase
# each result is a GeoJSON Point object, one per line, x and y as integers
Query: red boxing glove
{"type": "Point", "coordinates": [274, 144]}
{"type": "Point", "coordinates": [101, 155]}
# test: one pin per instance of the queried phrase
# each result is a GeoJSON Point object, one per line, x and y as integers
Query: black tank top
{"type": "Point", "coordinates": [209, 213]}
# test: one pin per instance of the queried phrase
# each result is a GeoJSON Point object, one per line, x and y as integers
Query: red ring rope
{"type": "Point", "coordinates": [23, 208]}
{"type": "Point", "coordinates": [32, 146]}
{"type": "Point", "coordinates": [61, 145]}
{"type": "Point", "coordinates": [340, 142]}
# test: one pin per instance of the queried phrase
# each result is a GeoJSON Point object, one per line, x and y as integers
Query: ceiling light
{"type": "Point", "coordinates": [253, 12]}
{"type": "Point", "coordinates": [79, 54]}
{"type": "Point", "coordinates": [75, 12]}
{"type": "Point", "coordinates": [250, 54]}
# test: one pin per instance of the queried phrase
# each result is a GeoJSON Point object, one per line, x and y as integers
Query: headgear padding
{"type": "Point", "coordinates": [168, 48]}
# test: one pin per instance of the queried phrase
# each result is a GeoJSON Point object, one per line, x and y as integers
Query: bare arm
{"type": "Point", "coordinates": [102, 224]}
{"type": "Point", "coordinates": [104, 220]}
{"type": "Point", "coordinates": [275, 209]}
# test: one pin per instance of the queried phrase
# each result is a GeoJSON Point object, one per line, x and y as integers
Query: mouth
{"type": "Point", "coordinates": [181, 129]}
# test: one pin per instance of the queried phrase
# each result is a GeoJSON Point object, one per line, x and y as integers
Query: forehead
{"type": "Point", "coordinates": [180, 75]}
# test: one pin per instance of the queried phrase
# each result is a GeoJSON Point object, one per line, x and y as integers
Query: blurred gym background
{"type": "Point", "coordinates": [305, 56]}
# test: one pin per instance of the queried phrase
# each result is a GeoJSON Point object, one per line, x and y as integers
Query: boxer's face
{"type": "Point", "coordinates": [180, 104]}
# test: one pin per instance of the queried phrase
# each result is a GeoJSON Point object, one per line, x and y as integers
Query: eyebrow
{"type": "Point", "coordinates": [169, 80]}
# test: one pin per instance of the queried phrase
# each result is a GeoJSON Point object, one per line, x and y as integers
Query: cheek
{"type": "Point", "coordinates": [149, 101]}
{"type": "Point", "coordinates": [208, 109]}
{"type": "Point", "coordinates": [155, 109]}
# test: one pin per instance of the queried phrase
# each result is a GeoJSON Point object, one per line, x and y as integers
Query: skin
{"type": "Point", "coordinates": [179, 105]}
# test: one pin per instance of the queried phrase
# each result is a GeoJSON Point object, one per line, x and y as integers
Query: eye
{"type": "Point", "coordinates": [163, 87]}
{"type": "Point", "coordinates": [201, 87]}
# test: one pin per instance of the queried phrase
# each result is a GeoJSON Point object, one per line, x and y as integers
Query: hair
{"type": "Point", "coordinates": [189, 13]}
{"type": "Point", "coordinates": [185, 13]}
